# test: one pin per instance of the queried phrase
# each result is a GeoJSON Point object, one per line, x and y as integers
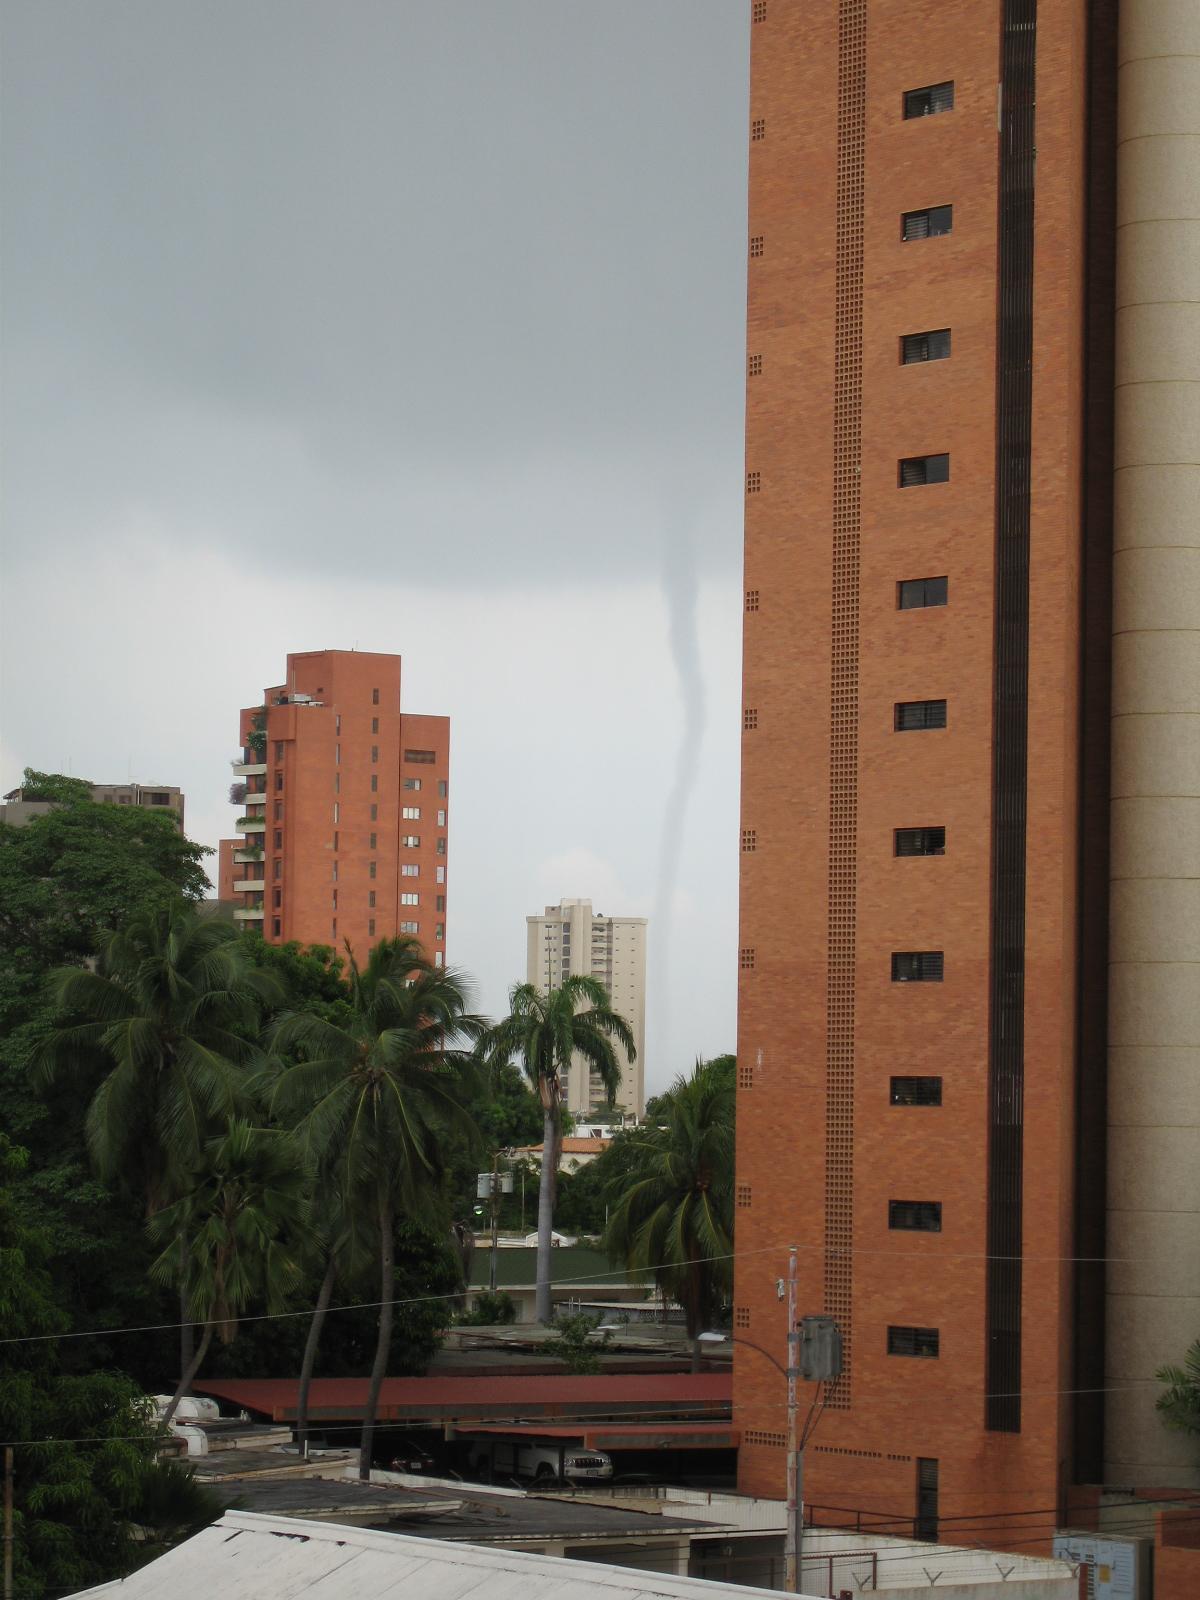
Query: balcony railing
{"type": "Point", "coordinates": [247, 913]}
{"type": "Point", "coordinates": [247, 769]}
{"type": "Point", "coordinates": [251, 824]}
{"type": "Point", "coordinates": [249, 886]}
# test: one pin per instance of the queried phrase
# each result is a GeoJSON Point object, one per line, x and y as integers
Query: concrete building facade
{"type": "Point", "coordinates": [163, 799]}
{"type": "Point", "coordinates": [344, 834]}
{"type": "Point", "coordinates": [939, 316]}
{"type": "Point", "coordinates": [570, 938]}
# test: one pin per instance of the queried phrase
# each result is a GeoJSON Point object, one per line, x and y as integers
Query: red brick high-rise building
{"type": "Point", "coordinates": [969, 1042]}
{"type": "Point", "coordinates": [344, 837]}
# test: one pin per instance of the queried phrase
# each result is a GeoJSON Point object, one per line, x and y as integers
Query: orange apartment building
{"type": "Point", "coordinates": [969, 1047]}
{"type": "Point", "coordinates": [346, 796]}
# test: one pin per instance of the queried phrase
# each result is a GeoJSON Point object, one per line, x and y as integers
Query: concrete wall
{"type": "Point", "coordinates": [1154, 976]}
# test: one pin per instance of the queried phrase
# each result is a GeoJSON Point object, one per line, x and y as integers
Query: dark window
{"type": "Point", "coordinates": [371, 897]}
{"type": "Point", "coordinates": [371, 926]}
{"type": "Point", "coordinates": [374, 813]}
{"type": "Point", "coordinates": [927, 224]}
{"type": "Point", "coordinates": [443, 788]}
{"type": "Point", "coordinates": [279, 811]}
{"type": "Point", "coordinates": [374, 752]}
{"type": "Point", "coordinates": [374, 837]}
{"type": "Point", "coordinates": [915, 1216]}
{"type": "Point", "coordinates": [374, 724]}
{"type": "Point", "coordinates": [927, 102]}
{"type": "Point", "coordinates": [412, 783]}
{"type": "Point", "coordinates": [441, 847]}
{"type": "Point", "coordinates": [915, 714]}
{"type": "Point", "coordinates": [917, 966]}
{"type": "Point", "coordinates": [279, 749]}
{"type": "Point", "coordinates": [370, 869]}
{"type": "Point", "coordinates": [927, 1499]}
{"type": "Point", "coordinates": [931, 346]}
{"type": "Point", "coordinates": [276, 926]}
{"type": "Point", "coordinates": [441, 903]}
{"type": "Point", "coordinates": [913, 1342]}
{"type": "Point", "coordinates": [279, 838]}
{"type": "Point", "coordinates": [277, 899]}
{"type": "Point", "coordinates": [160, 799]}
{"type": "Point", "coordinates": [439, 930]}
{"type": "Point", "coordinates": [920, 841]}
{"type": "Point", "coordinates": [421, 758]}
{"type": "Point", "coordinates": [914, 593]}
{"type": "Point", "coordinates": [279, 780]}
{"type": "Point", "coordinates": [277, 867]}
{"type": "Point", "coordinates": [374, 783]}
{"type": "Point", "coordinates": [917, 470]}
{"type": "Point", "coordinates": [916, 1091]}
{"type": "Point", "coordinates": [374, 697]}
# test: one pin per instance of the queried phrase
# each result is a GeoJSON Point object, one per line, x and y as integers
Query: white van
{"type": "Point", "coordinates": [514, 1458]}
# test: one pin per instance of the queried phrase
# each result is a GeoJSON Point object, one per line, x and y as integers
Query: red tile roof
{"type": "Point", "coordinates": [490, 1399]}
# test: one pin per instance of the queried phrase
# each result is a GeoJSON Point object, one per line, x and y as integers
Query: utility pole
{"type": "Point", "coordinates": [793, 1537]}
{"type": "Point", "coordinates": [490, 1186]}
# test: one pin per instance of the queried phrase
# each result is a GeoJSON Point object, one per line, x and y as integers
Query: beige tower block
{"type": "Point", "coordinates": [1154, 974]}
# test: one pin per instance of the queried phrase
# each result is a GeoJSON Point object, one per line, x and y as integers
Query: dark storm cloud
{"type": "Point", "coordinates": [444, 284]}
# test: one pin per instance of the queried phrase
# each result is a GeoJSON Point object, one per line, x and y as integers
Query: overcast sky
{"type": "Point", "coordinates": [401, 326]}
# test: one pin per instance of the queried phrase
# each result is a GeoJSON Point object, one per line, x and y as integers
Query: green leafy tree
{"type": "Point", "coordinates": [55, 787]}
{"type": "Point", "coordinates": [91, 1499]}
{"type": "Point", "coordinates": [1179, 1402]}
{"type": "Point", "coordinates": [235, 1238]}
{"type": "Point", "coordinates": [543, 1032]}
{"type": "Point", "coordinates": [576, 1344]}
{"type": "Point", "coordinates": [672, 1216]}
{"type": "Point", "coordinates": [65, 879]}
{"type": "Point", "coordinates": [159, 1035]}
{"type": "Point", "coordinates": [375, 1101]}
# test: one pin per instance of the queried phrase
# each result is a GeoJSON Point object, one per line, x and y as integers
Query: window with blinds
{"type": "Point", "coordinates": [916, 1092]}
{"type": "Point", "coordinates": [912, 594]}
{"type": "Point", "coordinates": [917, 966]}
{"type": "Point", "coordinates": [922, 1342]}
{"type": "Point", "coordinates": [928, 224]}
{"type": "Point", "coordinates": [920, 841]}
{"type": "Point", "coordinates": [933, 345]}
{"type": "Point", "coordinates": [929, 100]}
{"type": "Point", "coordinates": [913, 715]}
{"type": "Point", "coordinates": [916, 470]}
{"type": "Point", "coordinates": [915, 1216]}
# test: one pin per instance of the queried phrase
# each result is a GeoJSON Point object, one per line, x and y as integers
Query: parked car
{"type": "Point", "coordinates": [411, 1457]}
{"type": "Point", "coordinates": [542, 1463]}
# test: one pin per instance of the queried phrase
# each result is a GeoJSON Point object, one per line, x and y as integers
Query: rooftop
{"type": "Point", "coordinates": [232, 1559]}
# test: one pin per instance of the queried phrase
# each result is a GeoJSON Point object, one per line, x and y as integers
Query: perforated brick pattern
{"type": "Point", "coordinates": [843, 735]}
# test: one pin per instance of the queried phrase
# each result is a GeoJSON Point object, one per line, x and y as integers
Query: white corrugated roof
{"type": "Point", "coordinates": [249, 1557]}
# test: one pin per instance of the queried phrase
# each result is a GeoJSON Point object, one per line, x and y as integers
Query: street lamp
{"type": "Point", "coordinates": [814, 1353]}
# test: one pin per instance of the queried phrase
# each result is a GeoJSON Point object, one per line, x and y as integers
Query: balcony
{"type": "Point", "coordinates": [247, 913]}
{"type": "Point", "coordinates": [247, 855]}
{"type": "Point", "coordinates": [256, 797]}
{"type": "Point", "coordinates": [251, 824]}
{"type": "Point", "coordinates": [249, 886]}
{"type": "Point", "coordinates": [248, 769]}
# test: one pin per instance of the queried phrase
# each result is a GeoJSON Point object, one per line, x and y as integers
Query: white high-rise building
{"type": "Point", "coordinates": [571, 938]}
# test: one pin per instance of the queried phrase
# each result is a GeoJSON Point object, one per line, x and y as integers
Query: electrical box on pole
{"type": "Point", "coordinates": [820, 1349]}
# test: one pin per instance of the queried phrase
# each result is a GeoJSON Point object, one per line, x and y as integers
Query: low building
{"type": "Point", "coordinates": [161, 798]}
{"type": "Point", "coordinates": [573, 1152]}
{"type": "Point", "coordinates": [579, 1274]}
{"type": "Point", "coordinates": [233, 1557]}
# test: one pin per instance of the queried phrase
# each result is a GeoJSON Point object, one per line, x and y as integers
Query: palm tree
{"type": "Point", "coordinates": [373, 1099]}
{"type": "Point", "coordinates": [544, 1031]}
{"type": "Point", "coordinates": [169, 1016]}
{"type": "Point", "coordinates": [1180, 1400]}
{"type": "Point", "coordinates": [672, 1218]}
{"type": "Point", "coordinates": [244, 1219]}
